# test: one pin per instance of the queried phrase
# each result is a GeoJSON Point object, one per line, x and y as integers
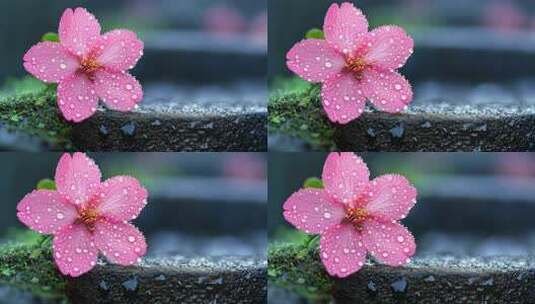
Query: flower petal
{"type": "Point", "coordinates": [120, 91]}
{"type": "Point", "coordinates": [77, 98]}
{"type": "Point", "coordinates": [314, 60]}
{"type": "Point", "coordinates": [118, 50]}
{"type": "Point", "coordinates": [387, 90]}
{"type": "Point", "coordinates": [121, 198]}
{"type": "Point", "coordinates": [388, 242]}
{"type": "Point", "coordinates": [345, 27]}
{"type": "Point", "coordinates": [342, 250]}
{"type": "Point", "coordinates": [77, 177]}
{"type": "Point", "coordinates": [392, 197]}
{"type": "Point", "coordinates": [121, 243]}
{"type": "Point", "coordinates": [343, 98]}
{"type": "Point", "coordinates": [345, 176]}
{"type": "Point", "coordinates": [78, 30]}
{"type": "Point", "coordinates": [50, 62]}
{"type": "Point", "coordinates": [389, 47]}
{"type": "Point", "coordinates": [312, 210]}
{"type": "Point", "coordinates": [75, 252]}
{"type": "Point", "coordinates": [46, 211]}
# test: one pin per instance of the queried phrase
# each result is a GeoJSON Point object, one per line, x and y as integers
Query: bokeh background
{"type": "Point", "coordinates": [478, 51]}
{"type": "Point", "coordinates": [200, 204]}
{"type": "Point", "coordinates": [469, 204]}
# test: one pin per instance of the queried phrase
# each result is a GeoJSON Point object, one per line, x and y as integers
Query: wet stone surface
{"type": "Point", "coordinates": [442, 279]}
{"type": "Point", "coordinates": [450, 117]}
{"type": "Point", "coordinates": [175, 280]}
{"type": "Point", "coordinates": [182, 118]}
{"type": "Point", "coordinates": [434, 278]}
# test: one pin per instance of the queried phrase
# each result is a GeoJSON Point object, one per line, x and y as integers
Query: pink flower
{"type": "Point", "coordinates": [354, 64]}
{"type": "Point", "coordinates": [88, 66]}
{"type": "Point", "coordinates": [86, 216]}
{"type": "Point", "coordinates": [354, 215]}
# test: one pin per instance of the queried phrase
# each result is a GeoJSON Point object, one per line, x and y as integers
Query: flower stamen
{"type": "Point", "coordinates": [89, 217]}
{"type": "Point", "coordinates": [89, 65]}
{"type": "Point", "coordinates": [356, 66]}
{"type": "Point", "coordinates": [356, 216]}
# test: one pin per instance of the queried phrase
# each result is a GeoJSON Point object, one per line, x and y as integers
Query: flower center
{"type": "Point", "coordinates": [357, 66]}
{"type": "Point", "coordinates": [356, 216]}
{"type": "Point", "coordinates": [89, 65]}
{"type": "Point", "coordinates": [89, 216]}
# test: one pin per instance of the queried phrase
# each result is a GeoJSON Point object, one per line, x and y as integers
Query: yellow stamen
{"type": "Point", "coordinates": [356, 216]}
{"type": "Point", "coordinates": [357, 66]}
{"type": "Point", "coordinates": [89, 217]}
{"type": "Point", "coordinates": [89, 66]}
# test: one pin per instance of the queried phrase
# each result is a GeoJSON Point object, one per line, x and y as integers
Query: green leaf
{"type": "Point", "coordinates": [315, 34]}
{"type": "Point", "coordinates": [53, 37]}
{"type": "Point", "coordinates": [46, 184]}
{"type": "Point", "coordinates": [313, 182]}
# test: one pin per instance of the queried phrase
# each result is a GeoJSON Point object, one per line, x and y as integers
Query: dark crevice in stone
{"type": "Point", "coordinates": [174, 280]}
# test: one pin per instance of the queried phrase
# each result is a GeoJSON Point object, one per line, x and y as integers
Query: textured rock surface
{"type": "Point", "coordinates": [432, 279]}
{"type": "Point", "coordinates": [441, 128]}
{"type": "Point", "coordinates": [181, 118]}
{"type": "Point", "coordinates": [174, 280]}
{"type": "Point", "coordinates": [443, 280]}
{"type": "Point", "coordinates": [444, 116]}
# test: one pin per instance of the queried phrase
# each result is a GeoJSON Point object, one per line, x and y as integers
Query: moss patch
{"type": "Point", "coordinates": [299, 113]}
{"type": "Point", "coordinates": [30, 266]}
{"type": "Point", "coordinates": [37, 114]}
{"type": "Point", "coordinates": [298, 268]}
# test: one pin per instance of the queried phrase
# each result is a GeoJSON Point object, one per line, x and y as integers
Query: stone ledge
{"type": "Point", "coordinates": [443, 279]}
{"type": "Point", "coordinates": [442, 127]}
{"type": "Point", "coordinates": [221, 121]}
{"type": "Point", "coordinates": [437, 279]}
{"type": "Point", "coordinates": [174, 280]}
{"type": "Point", "coordinates": [158, 127]}
{"type": "Point", "coordinates": [426, 126]}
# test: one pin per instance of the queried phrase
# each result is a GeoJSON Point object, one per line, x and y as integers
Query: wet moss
{"type": "Point", "coordinates": [297, 267]}
{"type": "Point", "coordinates": [37, 114]}
{"type": "Point", "coordinates": [299, 113]}
{"type": "Point", "coordinates": [30, 266]}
